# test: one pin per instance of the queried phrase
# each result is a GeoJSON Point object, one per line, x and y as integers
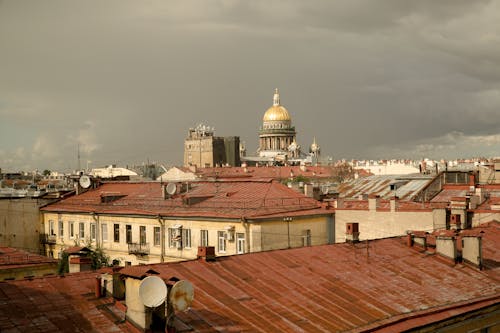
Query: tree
{"type": "Point", "coordinates": [46, 172]}
{"type": "Point", "coordinates": [343, 172]}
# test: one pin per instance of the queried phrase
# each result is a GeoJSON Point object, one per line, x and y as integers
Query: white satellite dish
{"type": "Point", "coordinates": [85, 181]}
{"type": "Point", "coordinates": [171, 188]}
{"type": "Point", "coordinates": [152, 291]}
{"type": "Point", "coordinates": [181, 295]}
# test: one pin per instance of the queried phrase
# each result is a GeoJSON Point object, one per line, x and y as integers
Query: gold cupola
{"type": "Point", "coordinates": [277, 112]}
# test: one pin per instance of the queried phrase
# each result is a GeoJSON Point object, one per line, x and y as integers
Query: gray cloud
{"type": "Point", "coordinates": [127, 79]}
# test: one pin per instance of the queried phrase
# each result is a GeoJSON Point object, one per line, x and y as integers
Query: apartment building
{"type": "Point", "coordinates": [151, 222]}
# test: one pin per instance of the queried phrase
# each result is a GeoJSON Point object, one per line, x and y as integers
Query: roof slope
{"type": "Point", "coordinates": [55, 304]}
{"type": "Point", "coordinates": [407, 186]}
{"type": "Point", "coordinates": [340, 287]}
{"type": "Point", "coordinates": [220, 199]}
{"type": "Point", "coordinates": [333, 287]}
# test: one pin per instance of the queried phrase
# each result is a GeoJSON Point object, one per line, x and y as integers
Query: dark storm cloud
{"type": "Point", "coordinates": [125, 79]}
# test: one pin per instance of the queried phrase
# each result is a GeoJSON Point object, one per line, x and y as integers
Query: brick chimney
{"type": "Point", "coordinates": [206, 253]}
{"type": "Point", "coordinates": [352, 232]}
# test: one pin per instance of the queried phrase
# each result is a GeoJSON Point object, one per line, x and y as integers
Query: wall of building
{"type": "Point", "coordinates": [199, 152]}
{"type": "Point", "coordinates": [20, 273]}
{"type": "Point", "coordinates": [298, 232]}
{"type": "Point", "coordinates": [20, 223]}
{"type": "Point", "coordinates": [228, 237]}
{"type": "Point", "coordinates": [381, 224]}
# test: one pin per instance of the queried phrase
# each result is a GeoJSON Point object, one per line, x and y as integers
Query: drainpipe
{"type": "Point", "coordinates": [162, 238]}
{"type": "Point", "coordinates": [95, 217]}
{"type": "Point", "coordinates": [247, 234]}
{"type": "Point", "coordinates": [288, 220]}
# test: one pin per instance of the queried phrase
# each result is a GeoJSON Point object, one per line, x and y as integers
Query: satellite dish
{"type": "Point", "coordinates": [152, 291]}
{"type": "Point", "coordinates": [181, 295]}
{"type": "Point", "coordinates": [85, 181]}
{"type": "Point", "coordinates": [171, 188]}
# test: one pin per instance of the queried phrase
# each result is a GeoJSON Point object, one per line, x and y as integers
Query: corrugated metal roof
{"type": "Point", "coordinates": [407, 187]}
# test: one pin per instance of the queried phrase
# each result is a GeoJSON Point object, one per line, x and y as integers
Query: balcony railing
{"type": "Point", "coordinates": [141, 249]}
{"type": "Point", "coordinates": [47, 239]}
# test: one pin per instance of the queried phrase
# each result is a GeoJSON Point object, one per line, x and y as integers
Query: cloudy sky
{"type": "Point", "coordinates": [126, 79]}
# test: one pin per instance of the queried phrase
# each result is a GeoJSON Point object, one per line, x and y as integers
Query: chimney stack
{"type": "Point", "coordinates": [352, 232]}
{"type": "Point", "coordinates": [446, 245]}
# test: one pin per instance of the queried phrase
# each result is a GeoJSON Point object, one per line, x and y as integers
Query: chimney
{"type": "Point", "coordinates": [97, 287]}
{"type": "Point", "coordinates": [418, 238]}
{"type": "Point", "coordinates": [393, 203]}
{"type": "Point", "coordinates": [446, 245]}
{"type": "Point", "coordinates": [472, 250]}
{"type": "Point", "coordinates": [308, 190]}
{"type": "Point", "coordinates": [207, 253]}
{"type": "Point", "coordinates": [79, 264]}
{"type": "Point", "coordinates": [472, 180]}
{"type": "Point", "coordinates": [373, 202]}
{"type": "Point", "coordinates": [338, 203]}
{"type": "Point", "coordinates": [352, 232]}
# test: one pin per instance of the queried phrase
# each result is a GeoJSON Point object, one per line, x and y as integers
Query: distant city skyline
{"type": "Point", "coordinates": [125, 80]}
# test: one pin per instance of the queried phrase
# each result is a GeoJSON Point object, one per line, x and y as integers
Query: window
{"type": "Point", "coordinates": [174, 237]}
{"type": "Point", "coordinates": [71, 230]}
{"type": "Point", "coordinates": [93, 231]}
{"type": "Point", "coordinates": [203, 237]}
{"type": "Point", "coordinates": [128, 233]}
{"type": "Point", "coordinates": [157, 237]}
{"type": "Point", "coordinates": [104, 232]}
{"type": "Point", "coordinates": [142, 234]}
{"type": "Point", "coordinates": [240, 243]}
{"type": "Point", "coordinates": [116, 233]}
{"type": "Point", "coordinates": [52, 232]}
{"type": "Point", "coordinates": [82, 230]}
{"type": "Point", "coordinates": [222, 240]}
{"type": "Point", "coordinates": [61, 229]}
{"type": "Point", "coordinates": [186, 238]}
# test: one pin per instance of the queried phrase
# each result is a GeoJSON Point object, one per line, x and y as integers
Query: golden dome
{"type": "Point", "coordinates": [276, 113]}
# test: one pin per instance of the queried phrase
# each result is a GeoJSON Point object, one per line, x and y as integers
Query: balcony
{"type": "Point", "coordinates": [47, 239]}
{"type": "Point", "coordinates": [141, 249]}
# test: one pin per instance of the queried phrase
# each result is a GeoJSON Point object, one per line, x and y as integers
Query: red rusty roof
{"type": "Point", "coordinates": [15, 258]}
{"type": "Point", "coordinates": [340, 287]}
{"type": "Point", "coordinates": [56, 304]}
{"type": "Point", "coordinates": [220, 199]}
{"type": "Point", "coordinates": [267, 172]}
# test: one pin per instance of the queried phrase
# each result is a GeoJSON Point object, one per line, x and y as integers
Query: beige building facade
{"type": "Point", "coordinates": [155, 235]}
{"type": "Point", "coordinates": [388, 218]}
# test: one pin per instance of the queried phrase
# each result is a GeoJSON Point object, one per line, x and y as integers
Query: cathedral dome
{"type": "Point", "coordinates": [277, 112]}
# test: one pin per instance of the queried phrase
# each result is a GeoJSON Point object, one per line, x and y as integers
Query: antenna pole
{"type": "Point", "coordinates": [79, 168]}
